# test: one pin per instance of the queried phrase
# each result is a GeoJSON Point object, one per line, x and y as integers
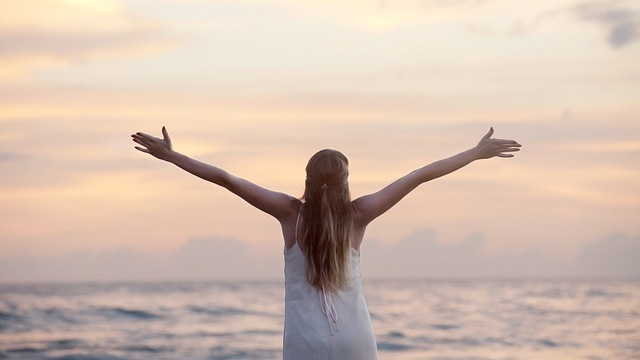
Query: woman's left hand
{"type": "Point", "coordinates": [488, 147]}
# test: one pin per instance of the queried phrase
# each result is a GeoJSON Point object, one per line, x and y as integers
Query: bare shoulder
{"type": "Point", "coordinates": [293, 207]}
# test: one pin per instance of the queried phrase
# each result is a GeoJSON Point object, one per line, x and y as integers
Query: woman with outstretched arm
{"type": "Point", "coordinates": [326, 316]}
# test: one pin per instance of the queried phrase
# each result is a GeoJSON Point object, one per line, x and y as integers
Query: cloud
{"type": "Point", "coordinates": [611, 256]}
{"type": "Point", "coordinates": [198, 258]}
{"type": "Point", "coordinates": [217, 257]}
{"type": "Point", "coordinates": [6, 156]}
{"type": "Point", "coordinates": [620, 18]}
{"type": "Point", "coordinates": [620, 146]}
{"type": "Point", "coordinates": [389, 15]}
{"type": "Point", "coordinates": [421, 255]}
{"type": "Point", "coordinates": [418, 255]}
{"type": "Point", "coordinates": [39, 34]}
{"type": "Point", "coordinates": [71, 45]}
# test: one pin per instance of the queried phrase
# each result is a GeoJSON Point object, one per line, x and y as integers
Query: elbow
{"type": "Point", "coordinates": [225, 181]}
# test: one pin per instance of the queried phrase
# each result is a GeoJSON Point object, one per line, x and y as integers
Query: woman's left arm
{"type": "Point", "coordinates": [276, 204]}
{"type": "Point", "coordinates": [371, 206]}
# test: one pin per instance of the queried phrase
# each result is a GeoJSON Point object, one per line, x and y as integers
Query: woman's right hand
{"type": "Point", "coordinates": [160, 148]}
{"type": "Point", "coordinates": [488, 147]}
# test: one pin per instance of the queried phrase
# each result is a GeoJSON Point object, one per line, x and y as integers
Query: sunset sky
{"type": "Point", "coordinates": [257, 87]}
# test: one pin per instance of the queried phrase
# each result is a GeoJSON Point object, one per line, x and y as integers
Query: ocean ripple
{"type": "Point", "coordinates": [132, 313]}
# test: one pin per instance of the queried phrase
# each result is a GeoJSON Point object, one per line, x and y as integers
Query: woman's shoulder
{"type": "Point", "coordinates": [293, 208]}
{"type": "Point", "coordinates": [357, 216]}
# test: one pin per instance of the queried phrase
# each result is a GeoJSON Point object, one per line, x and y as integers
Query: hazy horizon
{"type": "Point", "coordinates": [420, 255]}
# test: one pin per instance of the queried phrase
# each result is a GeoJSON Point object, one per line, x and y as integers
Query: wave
{"type": "Point", "coordinates": [60, 315]}
{"type": "Point", "coordinates": [25, 350]}
{"type": "Point", "coordinates": [65, 344]}
{"type": "Point", "coordinates": [394, 341]}
{"type": "Point", "coordinates": [391, 346]}
{"type": "Point", "coordinates": [396, 334]}
{"type": "Point", "coordinates": [445, 326]}
{"type": "Point", "coordinates": [261, 332]}
{"type": "Point", "coordinates": [145, 349]}
{"type": "Point", "coordinates": [218, 311]}
{"type": "Point", "coordinates": [213, 334]}
{"type": "Point", "coordinates": [132, 313]}
{"type": "Point", "coordinates": [450, 341]}
{"type": "Point", "coordinates": [602, 293]}
{"type": "Point", "coordinates": [8, 316]}
{"type": "Point", "coordinates": [8, 319]}
{"type": "Point", "coordinates": [85, 357]}
{"type": "Point", "coordinates": [224, 353]}
{"type": "Point", "coordinates": [228, 311]}
{"type": "Point", "coordinates": [548, 343]}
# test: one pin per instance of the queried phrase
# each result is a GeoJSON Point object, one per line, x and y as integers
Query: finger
{"type": "Point", "coordinates": [142, 149]}
{"type": "Point", "coordinates": [505, 155]}
{"type": "Point", "coordinates": [165, 135]}
{"type": "Point", "coordinates": [509, 150]}
{"type": "Point", "coordinates": [141, 141]}
{"type": "Point", "coordinates": [146, 136]}
{"type": "Point", "coordinates": [505, 142]}
{"type": "Point", "coordinates": [488, 135]}
{"type": "Point", "coordinates": [150, 141]}
{"type": "Point", "coordinates": [137, 137]}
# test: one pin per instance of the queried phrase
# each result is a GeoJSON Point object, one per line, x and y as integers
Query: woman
{"type": "Point", "coordinates": [326, 316]}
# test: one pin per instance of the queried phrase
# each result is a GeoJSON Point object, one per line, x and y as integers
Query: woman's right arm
{"type": "Point", "coordinates": [369, 207]}
{"type": "Point", "coordinates": [277, 204]}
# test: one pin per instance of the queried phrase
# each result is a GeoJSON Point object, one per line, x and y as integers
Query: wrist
{"type": "Point", "coordinates": [475, 153]}
{"type": "Point", "coordinates": [172, 157]}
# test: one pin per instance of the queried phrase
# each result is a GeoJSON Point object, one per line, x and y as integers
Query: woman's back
{"type": "Point", "coordinates": [321, 324]}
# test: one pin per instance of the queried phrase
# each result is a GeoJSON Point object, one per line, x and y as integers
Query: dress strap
{"type": "Point", "coordinates": [297, 222]}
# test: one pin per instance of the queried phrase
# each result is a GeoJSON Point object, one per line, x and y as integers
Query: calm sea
{"type": "Point", "coordinates": [413, 319]}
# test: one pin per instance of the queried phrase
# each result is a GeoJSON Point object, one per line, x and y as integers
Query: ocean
{"type": "Point", "coordinates": [412, 319]}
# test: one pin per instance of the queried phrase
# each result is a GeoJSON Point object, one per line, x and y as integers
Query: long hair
{"type": "Point", "coordinates": [327, 221]}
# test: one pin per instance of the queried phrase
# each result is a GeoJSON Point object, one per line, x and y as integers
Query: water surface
{"type": "Point", "coordinates": [413, 319]}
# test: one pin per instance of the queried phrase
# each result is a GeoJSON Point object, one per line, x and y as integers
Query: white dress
{"type": "Point", "coordinates": [322, 325]}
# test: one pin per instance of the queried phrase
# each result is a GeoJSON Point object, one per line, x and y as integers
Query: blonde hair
{"type": "Point", "coordinates": [327, 221]}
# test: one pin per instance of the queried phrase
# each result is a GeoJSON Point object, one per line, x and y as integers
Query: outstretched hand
{"type": "Point", "coordinates": [488, 147]}
{"type": "Point", "coordinates": [160, 148]}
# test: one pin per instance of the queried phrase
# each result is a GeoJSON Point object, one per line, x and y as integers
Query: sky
{"type": "Point", "coordinates": [257, 87]}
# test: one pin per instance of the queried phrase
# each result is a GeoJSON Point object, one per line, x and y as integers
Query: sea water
{"type": "Point", "coordinates": [412, 319]}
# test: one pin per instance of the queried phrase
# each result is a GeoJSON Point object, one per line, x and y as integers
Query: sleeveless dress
{"type": "Point", "coordinates": [322, 325]}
